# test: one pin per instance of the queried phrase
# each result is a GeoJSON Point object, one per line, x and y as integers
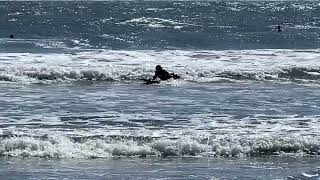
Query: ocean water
{"type": "Point", "coordinates": [73, 106]}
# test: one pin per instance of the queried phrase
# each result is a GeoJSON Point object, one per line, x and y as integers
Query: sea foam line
{"type": "Point", "coordinates": [195, 66]}
{"type": "Point", "coordinates": [64, 147]}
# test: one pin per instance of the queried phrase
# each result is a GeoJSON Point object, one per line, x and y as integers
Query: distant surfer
{"type": "Point", "coordinates": [279, 28]}
{"type": "Point", "coordinates": [163, 74]}
{"type": "Point", "coordinates": [11, 36]}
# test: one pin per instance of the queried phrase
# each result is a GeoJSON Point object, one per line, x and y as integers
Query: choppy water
{"type": "Point", "coordinates": [246, 106]}
{"type": "Point", "coordinates": [159, 24]}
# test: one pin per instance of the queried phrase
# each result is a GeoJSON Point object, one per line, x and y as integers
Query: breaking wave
{"type": "Point", "coordinates": [36, 76]}
{"type": "Point", "coordinates": [193, 66]}
{"type": "Point", "coordinates": [51, 75]}
{"type": "Point", "coordinates": [294, 74]}
{"type": "Point", "coordinates": [97, 147]}
{"type": "Point", "coordinates": [154, 23]}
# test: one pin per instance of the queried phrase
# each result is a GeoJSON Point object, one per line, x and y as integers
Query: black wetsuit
{"type": "Point", "coordinates": [164, 75]}
{"type": "Point", "coordinates": [279, 28]}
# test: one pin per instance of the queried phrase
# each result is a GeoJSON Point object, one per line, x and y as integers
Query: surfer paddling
{"type": "Point", "coordinates": [162, 74]}
{"type": "Point", "coordinates": [279, 28]}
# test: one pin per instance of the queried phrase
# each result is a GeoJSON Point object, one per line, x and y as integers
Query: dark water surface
{"type": "Point", "coordinates": [159, 25]}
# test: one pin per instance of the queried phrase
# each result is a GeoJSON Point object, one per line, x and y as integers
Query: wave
{"type": "Point", "coordinates": [193, 66]}
{"type": "Point", "coordinates": [53, 76]}
{"type": "Point", "coordinates": [293, 74]}
{"type": "Point", "coordinates": [312, 174]}
{"type": "Point", "coordinates": [40, 75]}
{"type": "Point", "coordinates": [154, 23]}
{"type": "Point", "coordinates": [120, 146]}
{"type": "Point", "coordinates": [82, 75]}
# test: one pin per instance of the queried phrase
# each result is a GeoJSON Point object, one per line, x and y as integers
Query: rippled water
{"type": "Point", "coordinates": [243, 119]}
{"type": "Point", "coordinates": [72, 100]}
{"type": "Point", "coordinates": [159, 24]}
{"type": "Point", "coordinates": [178, 168]}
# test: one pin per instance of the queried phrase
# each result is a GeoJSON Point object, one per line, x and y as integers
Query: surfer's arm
{"type": "Point", "coordinates": [155, 76]}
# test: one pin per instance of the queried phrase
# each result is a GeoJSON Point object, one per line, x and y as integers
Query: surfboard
{"type": "Point", "coordinates": [150, 81]}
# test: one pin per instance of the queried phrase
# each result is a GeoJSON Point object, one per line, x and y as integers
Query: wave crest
{"type": "Point", "coordinates": [295, 74]}
{"type": "Point", "coordinates": [72, 75]}
{"type": "Point", "coordinates": [195, 66]}
{"type": "Point", "coordinates": [64, 147]}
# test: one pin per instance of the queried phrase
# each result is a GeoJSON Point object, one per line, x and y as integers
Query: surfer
{"type": "Point", "coordinates": [279, 28]}
{"type": "Point", "coordinates": [163, 74]}
{"type": "Point", "coordinates": [11, 36]}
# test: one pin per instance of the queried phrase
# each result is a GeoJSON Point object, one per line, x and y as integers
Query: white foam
{"type": "Point", "coordinates": [310, 175]}
{"type": "Point", "coordinates": [63, 147]}
{"type": "Point", "coordinates": [81, 43]}
{"type": "Point", "coordinates": [198, 66]}
{"type": "Point", "coordinates": [153, 22]}
{"type": "Point", "coordinates": [51, 44]}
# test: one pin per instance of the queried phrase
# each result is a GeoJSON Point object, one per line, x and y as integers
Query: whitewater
{"type": "Point", "coordinates": [228, 104]}
{"type": "Point", "coordinates": [73, 104]}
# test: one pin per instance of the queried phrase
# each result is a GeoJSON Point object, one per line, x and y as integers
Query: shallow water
{"type": "Point", "coordinates": [233, 122]}
{"type": "Point", "coordinates": [175, 118]}
{"type": "Point", "coordinates": [165, 168]}
{"type": "Point", "coordinates": [73, 106]}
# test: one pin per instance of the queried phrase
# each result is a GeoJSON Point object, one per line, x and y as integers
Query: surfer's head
{"type": "Point", "coordinates": [158, 68]}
